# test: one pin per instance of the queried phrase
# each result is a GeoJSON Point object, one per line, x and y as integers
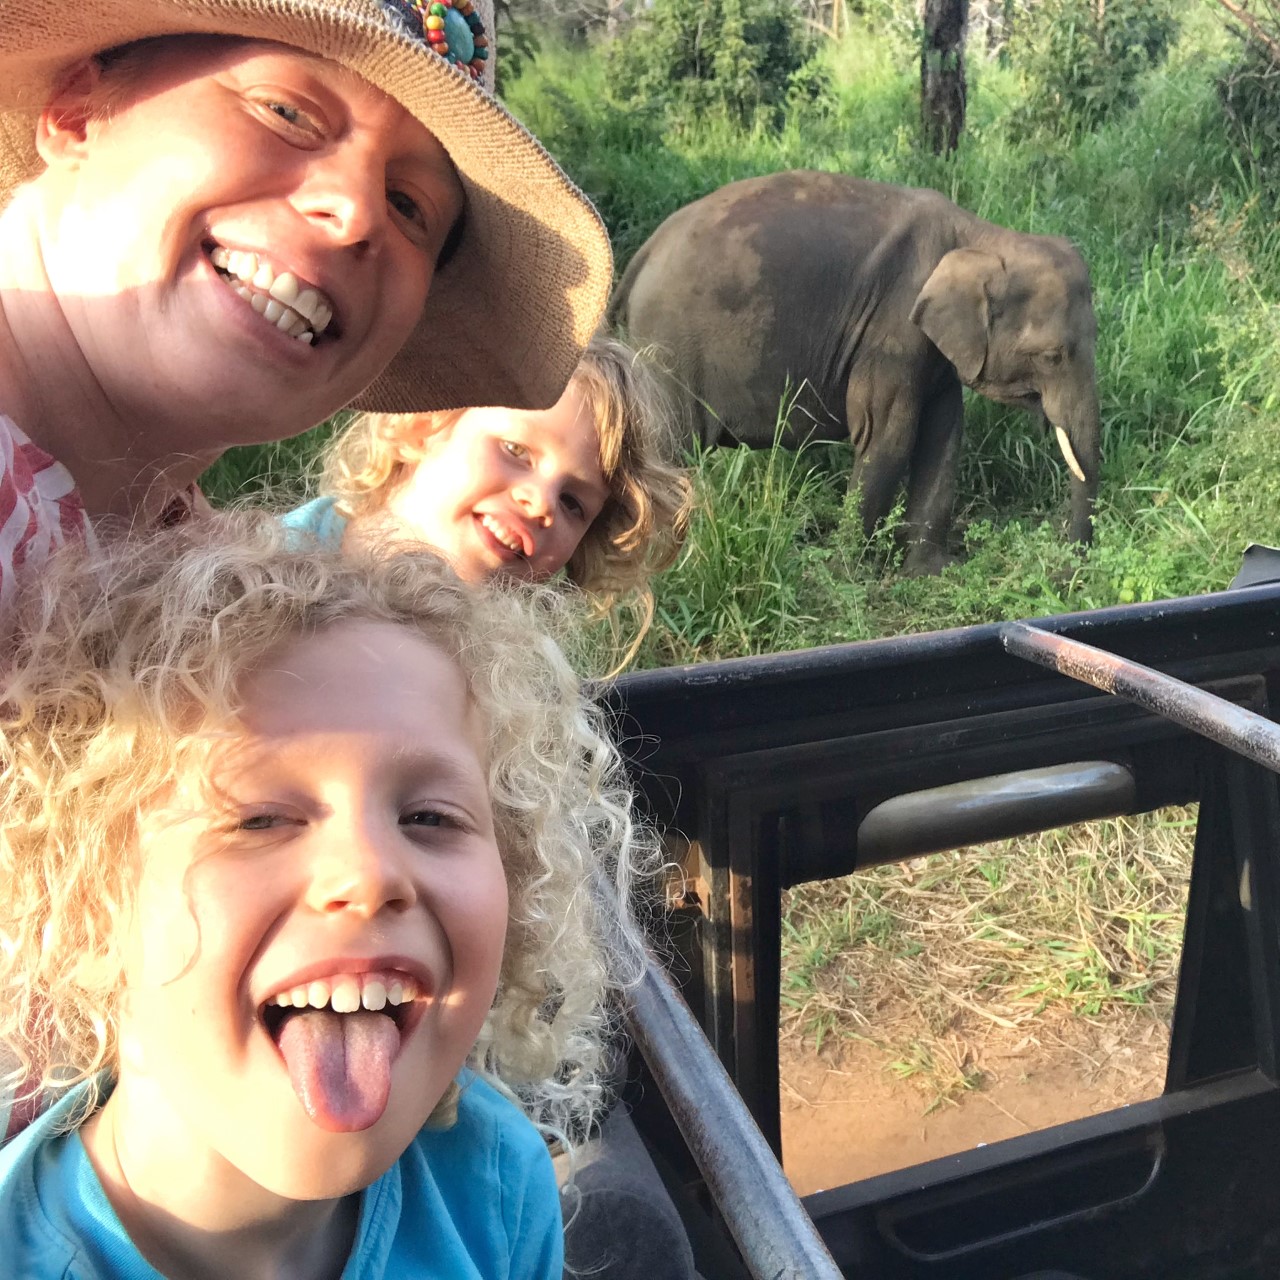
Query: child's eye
{"type": "Point", "coordinates": [260, 822]}
{"type": "Point", "coordinates": [424, 818]}
{"type": "Point", "coordinates": [573, 506]}
{"type": "Point", "coordinates": [515, 448]}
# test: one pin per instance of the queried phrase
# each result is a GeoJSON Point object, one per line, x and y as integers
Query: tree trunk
{"type": "Point", "coordinates": [942, 87]}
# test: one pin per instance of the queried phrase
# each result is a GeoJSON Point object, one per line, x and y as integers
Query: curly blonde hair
{"type": "Point", "coordinates": [124, 660]}
{"type": "Point", "coordinates": [642, 525]}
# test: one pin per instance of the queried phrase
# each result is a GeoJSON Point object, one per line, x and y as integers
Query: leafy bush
{"type": "Point", "coordinates": [1250, 89]}
{"type": "Point", "coordinates": [691, 56]}
{"type": "Point", "coordinates": [1081, 58]}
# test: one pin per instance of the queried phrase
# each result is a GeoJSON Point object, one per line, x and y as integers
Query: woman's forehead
{"type": "Point", "coordinates": [182, 57]}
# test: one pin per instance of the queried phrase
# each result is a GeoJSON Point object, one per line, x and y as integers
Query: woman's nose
{"type": "Point", "coordinates": [361, 868]}
{"type": "Point", "coordinates": [346, 193]}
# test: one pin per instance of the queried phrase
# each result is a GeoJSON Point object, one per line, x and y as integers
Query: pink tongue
{"type": "Point", "coordinates": [340, 1065]}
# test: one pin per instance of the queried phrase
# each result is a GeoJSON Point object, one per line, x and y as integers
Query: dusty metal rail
{"type": "Point", "coordinates": [1204, 713]}
{"type": "Point", "coordinates": [775, 1236]}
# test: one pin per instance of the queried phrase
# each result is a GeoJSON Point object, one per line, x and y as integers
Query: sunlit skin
{"type": "Point", "coordinates": [348, 823]}
{"type": "Point", "coordinates": [106, 273]}
{"type": "Point", "coordinates": [505, 491]}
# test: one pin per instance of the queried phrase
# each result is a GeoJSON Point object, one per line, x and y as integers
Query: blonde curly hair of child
{"type": "Point", "coordinates": [125, 662]}
{"type": "Point", "coordinates": [642, 526]}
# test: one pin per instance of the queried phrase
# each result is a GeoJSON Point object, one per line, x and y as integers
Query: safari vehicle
{"type": "Point", "coordinates": [774, 771]}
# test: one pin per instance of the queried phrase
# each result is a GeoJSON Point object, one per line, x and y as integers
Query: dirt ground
{"type": "Point", "coordinates": [846, 1115]}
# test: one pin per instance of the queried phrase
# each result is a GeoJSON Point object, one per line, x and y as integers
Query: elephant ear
{"type": "Point", "coordinates": [954, 308]}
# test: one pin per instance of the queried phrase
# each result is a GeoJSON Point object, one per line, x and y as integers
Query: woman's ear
{"type": "Point", "coordinates": [62, 130]}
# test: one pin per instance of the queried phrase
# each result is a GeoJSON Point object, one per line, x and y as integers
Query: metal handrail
{"type": "Point", "coordinates": [1245, 732]}
{"type": "Point", "coordinates": [776, 1237]}
{"type": "Point", "coordinates": [774, 1234]}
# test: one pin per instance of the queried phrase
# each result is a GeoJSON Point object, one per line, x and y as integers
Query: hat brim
{"type": "Point", "coordinates": [509, 314]}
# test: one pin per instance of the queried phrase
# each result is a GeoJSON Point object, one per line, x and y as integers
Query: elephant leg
{"type": "Point", "coordinates": [883, 439]}
{"type": "Point", "coordinates": [931, 487]}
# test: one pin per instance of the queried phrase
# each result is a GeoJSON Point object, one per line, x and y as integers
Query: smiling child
{"type": "Point", "coordinates": [587, 486]}
{"type": "Point", "coordinates": [274, 1080]}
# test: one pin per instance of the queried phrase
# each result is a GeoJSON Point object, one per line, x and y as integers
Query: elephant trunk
{"type": "Point", "coordinates": [1077, 424]}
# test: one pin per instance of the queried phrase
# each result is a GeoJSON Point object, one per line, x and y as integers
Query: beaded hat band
{"type": "Point", "coordinates": [454, 29]}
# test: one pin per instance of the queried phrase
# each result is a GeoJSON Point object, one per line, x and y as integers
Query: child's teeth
{"type": "Point", "coordinates": [287, 320]}
{"type": "Point", "coordinates": [503, 535]}
{"type": "Point", "coordinates": [349, 993]}
{"type": "Point", "coordinates": [346, 996]}
{"type": "Point", "coordinates": [272, 311]}
{"type": "Point", "coordinates": [259, 302]}
{"type": "Point", "coordinates": [220, 258]}
{"type": "Point", "coordinates": [284, 287]}
{"type": "Point", "coordinates": [321, 317]}
{"type": "Point", "coordinates": [262, 278]}
{"type": "Point", "coordinates": [306, 338]}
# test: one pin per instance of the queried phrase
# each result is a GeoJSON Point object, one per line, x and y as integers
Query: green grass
{"type": "Point", "coordinates": [1185, 260]}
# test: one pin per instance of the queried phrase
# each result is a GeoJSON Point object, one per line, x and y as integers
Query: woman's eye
{"type": "Point", "coordinates": [293, 116]}
{"type": "Point", "coordinates": [407, 207]}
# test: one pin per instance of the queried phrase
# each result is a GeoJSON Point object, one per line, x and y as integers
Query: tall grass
{"type": "Point", "coordinates": [1186, 273]}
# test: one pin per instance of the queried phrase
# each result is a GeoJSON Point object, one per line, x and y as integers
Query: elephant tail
{"type": "Point", "coordinates": [617, 314]}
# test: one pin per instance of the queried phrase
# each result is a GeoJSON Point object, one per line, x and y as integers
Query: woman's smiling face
{"type": "Point", "coordinates": [241, 226]}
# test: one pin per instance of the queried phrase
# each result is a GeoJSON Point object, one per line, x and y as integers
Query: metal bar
{"type": "Point", "coordinates": [1245, 732]}
{"type": "Point", "coordinates": [776, 1237]}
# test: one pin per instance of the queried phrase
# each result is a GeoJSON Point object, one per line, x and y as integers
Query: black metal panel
{"type": "Point", "coordinates": [770, 764]}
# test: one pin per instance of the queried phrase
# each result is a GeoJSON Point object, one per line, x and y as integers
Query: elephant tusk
{"type": "Point", "coordinates": [1067, 452]}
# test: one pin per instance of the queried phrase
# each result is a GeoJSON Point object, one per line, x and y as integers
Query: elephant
{"type": "Point", "coordinates": [874, 303]}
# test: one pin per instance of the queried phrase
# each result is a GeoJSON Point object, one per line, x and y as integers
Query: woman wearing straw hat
{"type": "Point", "coordinates": [223, 220]}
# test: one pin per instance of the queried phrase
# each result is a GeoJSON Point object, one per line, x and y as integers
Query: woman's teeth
{"type": "Point", "coordinates": [301, 313]}
{"type": "Point", "coordinates": [348, 993]}
{"type": "Point", "coordinates": [509, 539]}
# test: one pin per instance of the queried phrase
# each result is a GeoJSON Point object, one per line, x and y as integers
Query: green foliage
{"type": "Point", "coordinates": [1186, 276]}
{"type": "Point", "coordinates": [277, 471]}
{"type": "Point", "coordinates": [692, 56]}
{"type": "Point", "coordinates": [1250, 89]}
{"type": "Point", "coordinates": [735, 589]}
{"type": "Point", "coordinates": [1082, 59]}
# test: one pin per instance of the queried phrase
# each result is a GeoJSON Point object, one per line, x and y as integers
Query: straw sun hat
{"type": "Point", "coordinates": [508, 315]}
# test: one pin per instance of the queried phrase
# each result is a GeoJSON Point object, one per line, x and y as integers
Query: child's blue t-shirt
{"type": "Point", "coordinates": [321, 520]}
{"type": "Point", "coordinates": [477, 1201]}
